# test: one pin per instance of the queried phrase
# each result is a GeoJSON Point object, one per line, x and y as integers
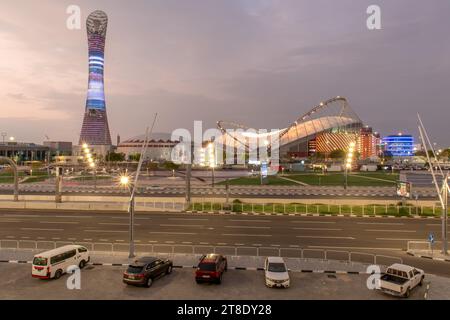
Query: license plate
{"type": "Point", "coordinates": [206, 276]}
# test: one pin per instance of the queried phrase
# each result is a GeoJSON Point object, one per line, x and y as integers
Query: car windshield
{"type": "Point", "coordinates": [40, 261]}
{"type": "Point", "coordinates": [207, 267]}
{"type": "Point", "coordinates": [277, 267]}
{"type": "Point", "coordinates": [134, 269]}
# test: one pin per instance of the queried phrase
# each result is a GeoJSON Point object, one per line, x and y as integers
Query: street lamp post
{"type": "Point", "coordinates": [348, 164]}
{"type": "Point", "coordinates": [125, 182]}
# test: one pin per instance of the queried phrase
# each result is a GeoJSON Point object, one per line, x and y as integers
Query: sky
{"type": "Point", "coordinates": [262, 63]}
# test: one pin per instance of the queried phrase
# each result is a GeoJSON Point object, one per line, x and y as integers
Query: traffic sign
{"type": "Point", "coordinates": [431, 238]}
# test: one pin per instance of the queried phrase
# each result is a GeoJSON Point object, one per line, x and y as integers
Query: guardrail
{"type": "Point", "coordinates": [296, 253]}
{"type": "Point", "coordinates": [419, 246]}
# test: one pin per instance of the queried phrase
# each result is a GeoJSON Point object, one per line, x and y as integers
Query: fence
{"type": "Point", "coordinates": [419, 246]}
{"type": "Point", "coordinates": [299, 253]}
{"type": "Point", "coordinates": [280, 208]}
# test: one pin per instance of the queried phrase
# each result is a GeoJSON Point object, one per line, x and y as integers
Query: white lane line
{"type": "Point", "coordinates": [275, 245]}
{"type": "Point", "coordinates": [11, 221]}
{"type": "Point", "coordinates": [25, 237]}
{"type": "Point", "coordinates": [10, 237]}
{"type": "Point", "coordinates": [106, 231]}
{"type": "Point", "coordinates": [116, 224]}
{"type": "Point", "coordinates": [153, 241]}
{"type": "Point", "coordinates": [186, 219]}
{"type": "Point", "coordinates": [398, 239]}
{"type": "Point", "coordinates": [87, 239]}
{"type": "Point", "coordinates": [381, 223]}
{"type": "Point", "coordinates": [56, 222]}
{"type": "Point", "coordinates": [221, 244]}
{"type": "Point", "coordinates": [318, 229]}
{"type": "Point", "coordinates": [247, 227]}
{"type": "Point", "coordinates": [38, 229]}
{"type": "Point", "coordinates": [20, 216]}
{"type": "Point", "coordinates": [186, 242]}
{"type": "Point", "coordinates": [355, 248]}
{"type": "Point", "coordinates": [120, 240]}
{"type": "Point", "coordinates": [72, 239]}
{"type": "Point", "coordinates": [170, 242]}
{"type": "Point", "coordinates": [137, 241]}
{"type": "Point", "coordinates": [182, 225]}
{"type": "Point", "coordinates": [237, 220]}
{"type": "Point", "coordinates": [325, 237]}
{"type": "Point", "coordinates": [239, 244]}
{"type": "Point", "coordinates": [294, 246]}
{"type": "Point", "coordinates": [404, 231]}
{"type": "Point", "coordinates": [319, 222]}
{"type": "Point", "coordinates": [245, 235]}
{"type": "Point", "coordinates": [177, 233]}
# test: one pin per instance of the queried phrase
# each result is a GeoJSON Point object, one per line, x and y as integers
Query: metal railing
{"type": "Point", "coordinates": [179, 249]}
{"type": "Point", "coordinates": [419, 246]}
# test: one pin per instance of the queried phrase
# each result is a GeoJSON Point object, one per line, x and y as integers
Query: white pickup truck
{"type": "Point", "coordinates": [400, 279]}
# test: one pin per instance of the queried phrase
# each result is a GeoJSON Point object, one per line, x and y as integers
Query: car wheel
{"type": "Point", "coordinates": [421, 282]}
{"type": "Point", "coordinates": [197, 281]}
{"type": "Point", "coordinates": [82, 264]}
{"type": "Point", "coordinates": [149, 282]}
{"type": "Point", "coordinates": [169, 270]}
{"type": "Point", "coordinates": [407, 293]}
{"type": "Point", "coordinates": [58, 274]}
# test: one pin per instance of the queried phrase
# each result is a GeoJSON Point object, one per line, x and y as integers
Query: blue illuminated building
{"type": "Point", "coordinates": [399, 145]}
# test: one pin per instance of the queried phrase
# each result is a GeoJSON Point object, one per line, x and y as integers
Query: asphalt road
{"type": "Point", "coordinates": [387, 236]}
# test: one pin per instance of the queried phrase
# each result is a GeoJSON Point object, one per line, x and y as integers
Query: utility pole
{"type": "Point", "coordinates": [445, 191]}
{"type": "Point", "coordinates": [58, 186]}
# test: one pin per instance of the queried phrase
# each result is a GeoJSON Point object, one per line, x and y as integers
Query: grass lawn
{"type": "Point", "coordinates": [256, 181]}
{"type": "Point", "coordinates": [337, 179]}
{"type": "Point", "coordinates": [36, 179]}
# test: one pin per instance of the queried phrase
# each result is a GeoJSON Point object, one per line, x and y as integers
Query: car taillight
{"type": "Point", "coordinates": [140, 275]}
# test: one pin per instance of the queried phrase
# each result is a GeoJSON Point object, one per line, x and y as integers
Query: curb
{"type": "Point", "coordinates": [195, 267]}
{"type": "Point", "coordinates": [427, 257]}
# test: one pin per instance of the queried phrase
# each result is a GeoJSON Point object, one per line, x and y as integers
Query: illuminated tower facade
{"type": "Point", "coordinates": [95, 130]}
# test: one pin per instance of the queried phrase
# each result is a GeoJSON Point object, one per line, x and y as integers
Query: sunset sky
{"type": "Point", "coordinates": [258, 62]}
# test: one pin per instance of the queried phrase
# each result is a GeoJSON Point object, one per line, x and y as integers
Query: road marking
{"type": "Point", "coordinates": [397, 239]}
{"type": "Point", "coordinates": [72, 239]}
{"type": "Point", "coordinates": [152, 241]}
{"type": "Point", "coordinates": [56, 238]}
{"type": "Point", "coordinates": [106, 231]}
{"type": "Point", "coordinates": [237, 220]}
{"type": "Point", "coordinates": [186, 242]}
{"type": "Point", "coordinates": [257, 245]}
{"type": "Point", "coordinates": [318, 229]}
{"type": "Point", "coordinates": [381, 223]}
{"type": "Point", "coordinates": [56, 222]}
{"type": "Point", "coordinates": [294, 246]}
{"type": "Point", "coordinates": [37, 229]}
{"type": "Point", "coordinates": [25, 237]}
{"type": "Point", "coordinates": [247, 227]}
{"type": "Point", "coordinates": [178, 233]}
{"type": "Point", "coordinates": [170, 242]}
{"type": "Point", "coordinates": [239, 244]}
{"type": "Point", "coordinates": [116, 224]}
{"type": "Point", "coordinates": [20, 216]}
{"type": "Point", "coordinates": [10, 237]}
{"type": "Point", "coordinates": [120, 240]}
{"type": "Point", "coordinates": [11, 221]}
{"type": "Point", "coordinates": [320, 222]}
{"type": "Point", "coordinates": [186, 219]}
{"type": "Point", "coordinates": [245, 235]}
{"type": "Point", "coordinates": [355, 248]}
{"type": "Point", "coordinates": [325, 237]}
{"type": "Point", "coordinates": [275, 245]}
{"type": "Point", "coordinates": [182, 225]}
{"type": "Point", "coordinates": [405, 231]}
{"type": "Point", "coordinates": [87, 239]}
{"type": "Point", "coordinates": [205, 243]}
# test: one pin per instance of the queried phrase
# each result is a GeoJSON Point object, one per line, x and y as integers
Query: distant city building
{"type": "Point", "coordinates": [95, 130]}
{"type": "Point", "coordinates": [368, 143]}
{"type": "Point", "coordinates": [59, 148]}
{"type": "Point", "coordinates": [159, 148]}
{"type": "Point", "coordinates": [22, 152]}
{"type": "Point", "coordinates": [399, 145]}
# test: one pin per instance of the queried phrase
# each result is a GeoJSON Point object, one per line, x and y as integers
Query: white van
{"type": "Point", "coordinates": [54, 263]}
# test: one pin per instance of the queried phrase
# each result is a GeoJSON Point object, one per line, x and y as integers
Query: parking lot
{"type": "Point", "coordinates": [104, 282]}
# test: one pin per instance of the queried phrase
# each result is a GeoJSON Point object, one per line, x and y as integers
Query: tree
{"type": "Point", "coordinates": [115, 157]}
{"type": "Point", "coordinates": [169, 165]}
{"type": "Point", "coordinates": [337, 154]}
{"type": "Point", "coordinates": [135, 157]}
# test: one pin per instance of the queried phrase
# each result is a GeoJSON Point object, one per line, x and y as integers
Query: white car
{"type": "Point", "coordinates": [54, 263]}
{"type": "Point", "coordinates": [400, 280]}
{"type": "Point", "coordinates": [276, 273]}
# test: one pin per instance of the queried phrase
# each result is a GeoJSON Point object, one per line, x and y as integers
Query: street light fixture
{"type": "Point", "coordinates": [349, 162]}
{"type": "Point", "coordinates": [125, 181]}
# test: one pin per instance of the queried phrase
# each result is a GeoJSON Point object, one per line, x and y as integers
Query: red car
{"type": "Point", "coordinates": [211, 268]}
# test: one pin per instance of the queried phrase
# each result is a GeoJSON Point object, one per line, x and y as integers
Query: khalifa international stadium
{"type": "Point", "coordinates": [331, 125]}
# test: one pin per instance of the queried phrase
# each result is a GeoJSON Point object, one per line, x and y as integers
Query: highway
{"type": "Point", "coordinates": [373, 235]}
